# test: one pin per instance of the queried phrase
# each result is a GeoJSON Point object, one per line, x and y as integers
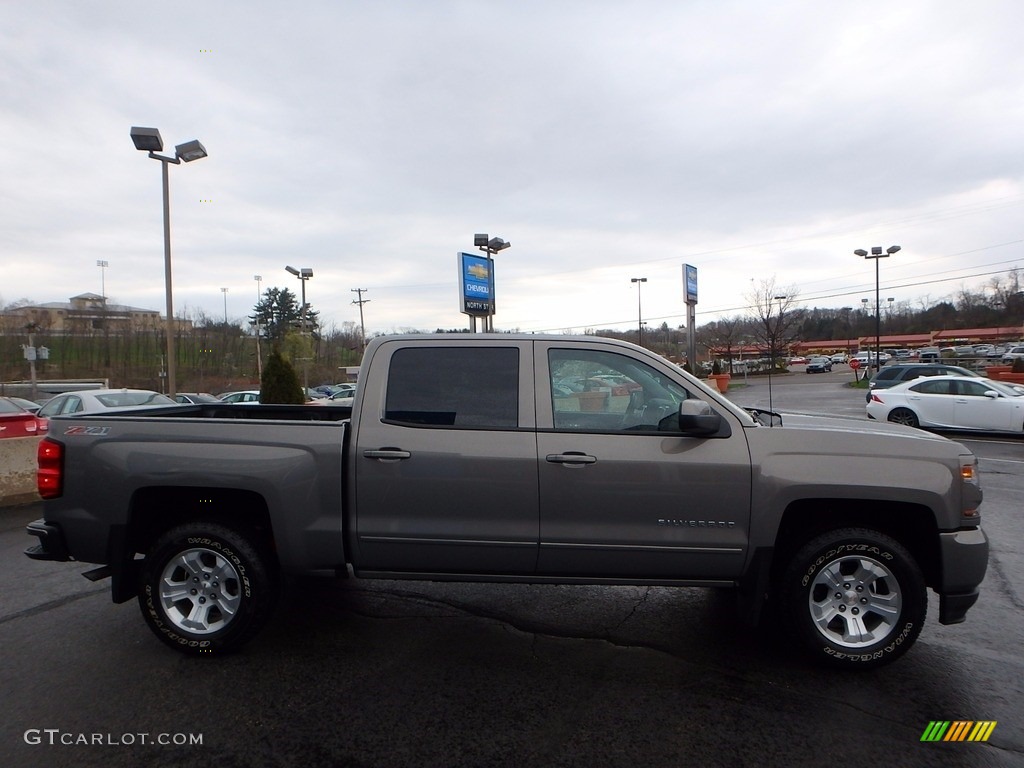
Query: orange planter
{"type": "Point", "coordinates": [593, 401]}
{"type": "Point", "coordinates": [1010, 378]}
{"type": "Point", "coordinates": [722, 381]}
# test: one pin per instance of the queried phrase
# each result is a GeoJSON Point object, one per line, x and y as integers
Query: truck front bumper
{"type": "Point", "coordinates": [51, 544]}
{"type": "Point", "coordinates": [964, 557]}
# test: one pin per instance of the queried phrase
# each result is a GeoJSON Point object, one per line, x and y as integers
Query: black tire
{"type": "Point", "coordinates": [854, 597]}
{"type": "Point", "coordinates": [206, 588]}
{"type": "Point", "coordinates": [904, 416]}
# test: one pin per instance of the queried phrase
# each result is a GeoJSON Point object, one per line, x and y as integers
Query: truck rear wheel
{"type": "Point", "coordinates": [206, 588]}
{"type": "Point", "coordinates": [854, 597]}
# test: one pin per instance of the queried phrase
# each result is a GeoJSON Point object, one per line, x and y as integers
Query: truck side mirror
{"type": "Point", "coordinates": [696, 418]}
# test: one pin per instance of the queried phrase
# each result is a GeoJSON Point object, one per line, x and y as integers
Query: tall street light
{"type": "Point", "coordinates": [103, 264]}
{"type": "Point", "coordinates": [225, 292]}
{"type": "Point", "coordinates": [778, 323]}
{"type": "Point", "coordinates": [639, 310]}
{"type": "Point", "coordinates": [876, 254]}
{"type": "Point", "coordinates": [148, 140]}
{"type": "Point", "coordinates": [490, 246]}
{"type": "Point", "coordinates": [303, 274]}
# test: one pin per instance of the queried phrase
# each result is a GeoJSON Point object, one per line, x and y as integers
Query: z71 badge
{"type": "Point", "coordinates": [96, 431]}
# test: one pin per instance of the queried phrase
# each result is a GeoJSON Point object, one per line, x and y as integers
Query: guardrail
{"type": "Point", "coordinates": [18, 470]}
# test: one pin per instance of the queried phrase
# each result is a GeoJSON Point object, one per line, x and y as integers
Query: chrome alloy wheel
{"type": "Point", "coordinates": [855, 601]}
{"type": "Point", "coordinates": [200, 591]}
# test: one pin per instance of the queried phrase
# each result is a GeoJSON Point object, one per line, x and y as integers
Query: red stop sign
{"type": "Point", "coordinates": [855, 364]}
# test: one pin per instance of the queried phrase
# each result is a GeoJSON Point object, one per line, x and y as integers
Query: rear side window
{"type": "Point", "coordinates": [887, 373]}
{"type": "Point", "coordinates": [932, 387]}
{"type": "Point", "coordinates": [468, 387]}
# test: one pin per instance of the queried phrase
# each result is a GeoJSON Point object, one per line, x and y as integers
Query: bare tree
{"type": "Point", "coordinates": [722, 336]}
{"type": "Point", "coordinates": [774, 319]}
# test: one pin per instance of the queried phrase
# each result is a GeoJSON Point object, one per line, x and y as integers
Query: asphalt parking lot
{"type": "Point", "coordinates": [385, 673]}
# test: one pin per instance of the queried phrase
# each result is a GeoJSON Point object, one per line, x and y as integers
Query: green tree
{"type": "Point", "coordinates": [279, 312]}
{"type": "Point", "coordinates": [280, 383]}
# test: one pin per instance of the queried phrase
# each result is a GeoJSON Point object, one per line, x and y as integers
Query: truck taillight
{"type": "Point", "coordinates": [50, 474]}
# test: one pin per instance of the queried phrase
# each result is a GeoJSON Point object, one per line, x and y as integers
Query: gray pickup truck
{"type": "Point", "coordinates": [532, 459]}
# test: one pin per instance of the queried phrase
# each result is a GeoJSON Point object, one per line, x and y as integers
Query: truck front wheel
{"type": "Point", "coordinates": [206, 588]}
{"type": "Point", "coordinates": [854, 597]}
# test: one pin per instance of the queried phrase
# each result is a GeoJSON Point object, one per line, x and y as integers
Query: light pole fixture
{"type": "Point", "coordinates": [225, 292]}
{"type": "Point", "coordinates": [303, 274]}
{"type": "Point", "coordinates": [148, 140]}
{"type": "Point", "coordinates": [490, 246]}
{"type": "Point", "coordinates": [639, 310]}
{"type": "Point", "coordinates": [846, 315]}
{"type": "Point", "coordinates": [259, 356]}
{"type": "Point", "coordinates": [876, 254]}
{"type": "Point", "coordinates": [103, 264]}
{"type": "Point", "coordinates": [778, 325]}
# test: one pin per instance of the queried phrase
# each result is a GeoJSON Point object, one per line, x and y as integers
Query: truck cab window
{"type": "Point", "coordinates": [607, 392]}
{"type": "Point", "coordinates": [467, 387]}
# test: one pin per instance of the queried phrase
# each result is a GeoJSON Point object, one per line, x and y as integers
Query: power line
{"type": "Point", "coordinates": [745, 307]}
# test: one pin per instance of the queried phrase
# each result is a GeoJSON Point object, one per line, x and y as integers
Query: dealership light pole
{"type": "Point", "coordinates": [876, 254]}
{"type": "Point", "coordinates": [148, 140]}
{"type": "Point", "coordinates": [103, 264]}
{"type": "Point", "coordinates": [778, 323]}
{"type": "Point", "coordinates": [639, 310]}
{"type": "Point", "coordinates": [303, 274]}
{"type": "Point", "coordinates": [490, 246]}
{"type": "Point", "coordinates": [225, 292]}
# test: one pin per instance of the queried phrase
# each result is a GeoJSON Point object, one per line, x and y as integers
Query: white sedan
{"type": "Point", "coordinates": [951, 402]}
{"type": "Point", "coordinates": [101, 400]}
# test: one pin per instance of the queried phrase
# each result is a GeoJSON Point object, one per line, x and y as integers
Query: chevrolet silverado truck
{"type": "Point", "coordinates": [531, 459]}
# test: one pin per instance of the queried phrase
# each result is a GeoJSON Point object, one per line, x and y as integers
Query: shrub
{"type": "Point", "coordinates": [280, 383]}
{"type": "Point", "coordinates": [716, 368]}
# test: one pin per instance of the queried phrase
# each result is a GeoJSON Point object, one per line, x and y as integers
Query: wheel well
{"type": "Point", "coordinates": [155, 510]}
{"type": "Point", "coordinates": [912, 525]}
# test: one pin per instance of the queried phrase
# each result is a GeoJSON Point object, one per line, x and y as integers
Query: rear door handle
{"type": "Point", "coordinates": [387, 454]}
{"type": "Point", "coordinates": [573, 459]}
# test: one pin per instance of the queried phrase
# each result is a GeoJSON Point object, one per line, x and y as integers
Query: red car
{"type": "Point", "coordinates": [15, 421]}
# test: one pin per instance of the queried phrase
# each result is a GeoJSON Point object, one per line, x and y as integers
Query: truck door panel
{"type": "Point", "coordinates": [445, 463]}
{"type": "Point", "coordinates": [638, 503]}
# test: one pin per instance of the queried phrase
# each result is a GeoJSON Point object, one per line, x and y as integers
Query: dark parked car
{"type": "Point", "coordinates": [195, 397]}
{"type": "Point", "coordinates": [895, 374]}
{"type": "Point", "coordinates": [819, 365]}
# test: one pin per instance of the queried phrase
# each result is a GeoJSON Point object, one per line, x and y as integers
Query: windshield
{"type": "Point", "coordinates": [1006, 389]}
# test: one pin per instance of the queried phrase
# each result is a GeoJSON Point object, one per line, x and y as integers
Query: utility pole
{"type": "Point", "coordinates": [362, 326]}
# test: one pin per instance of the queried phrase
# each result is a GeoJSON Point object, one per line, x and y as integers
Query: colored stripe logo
{"type": "Point", "coordinates": [958, 730]}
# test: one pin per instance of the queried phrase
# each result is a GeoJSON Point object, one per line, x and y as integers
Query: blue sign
{"type": "Point", "coordinates": [690, 278]}
{"type": "Point", "coordinates": [476, 282]}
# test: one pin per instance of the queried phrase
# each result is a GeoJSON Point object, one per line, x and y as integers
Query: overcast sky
{"type": "Point", "coordinates": [370, 140]}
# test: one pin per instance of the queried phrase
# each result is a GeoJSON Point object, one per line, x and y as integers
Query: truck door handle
{"type": "Point", "coordinates": [574, 459]}
{"type": "Point", "coordinates": [387, 454]}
